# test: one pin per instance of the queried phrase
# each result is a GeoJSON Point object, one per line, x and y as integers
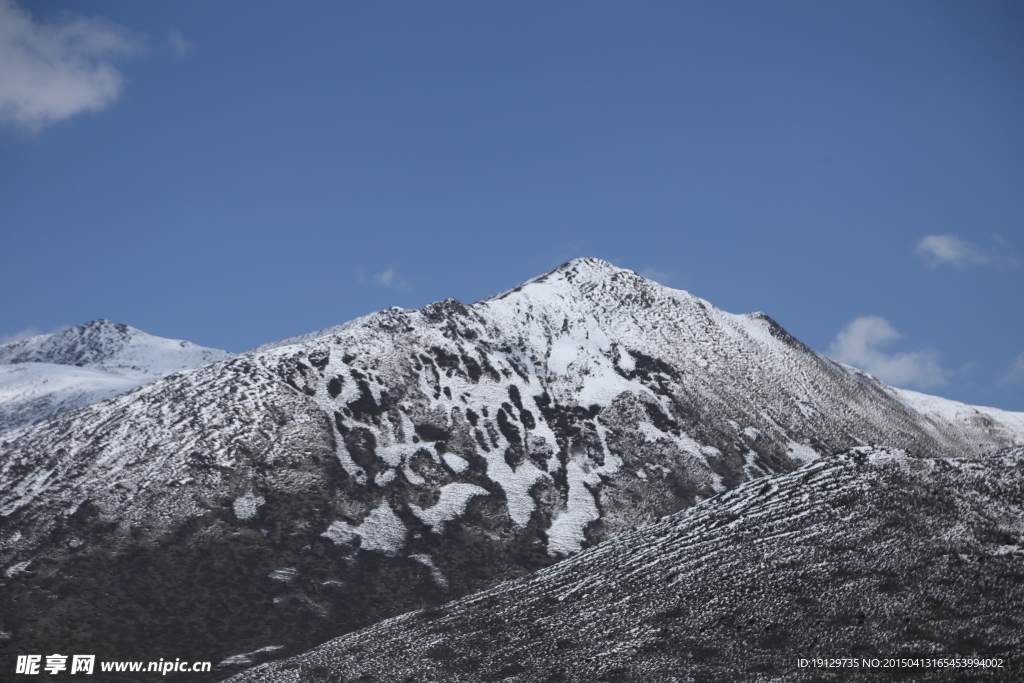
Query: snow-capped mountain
{"type": "Point", "coordinates": [322, 484]}
{"type": "Point", "coordinates": [48, 374]}
{"type": "Point", "coordinates": [870, 555]}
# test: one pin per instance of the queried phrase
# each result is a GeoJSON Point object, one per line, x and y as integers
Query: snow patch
{"type": "Point", "coordinates": [16, 569]}
{"type": "Point", "coordinates": [802, 453]}
{"type": "Point", "coordinates": [250, 658]}
{"type": "Point", "coordinates": [566, 533]}
{"type": "Point", "coordinates": [248, 506]}
{"type": "Point", "coordinates": [450, 505]}
{"type": "Point", "coordinates": [381, 530]}
{"type": "Point", "coordinates": [435, 573]}
{"type": "Point", "coordinates": [456, 463]}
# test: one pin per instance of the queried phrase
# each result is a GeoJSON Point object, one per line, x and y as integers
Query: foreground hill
{"type": "Point", "coordinates": [45, 375]}
{"type": "Point", "coordinates": [289, 495]}
{"type": "Point", "coordinates": [867, 555]}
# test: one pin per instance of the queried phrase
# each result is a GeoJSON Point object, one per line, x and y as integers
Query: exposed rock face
{"type": "Point", "coordinates": [45, 375]}
{"type": "Point", "coordinates": [411, 457]}
{"type": "Point", "coordinates": [867, 555]}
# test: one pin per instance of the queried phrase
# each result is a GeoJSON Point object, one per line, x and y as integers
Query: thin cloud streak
{"type": "Point", "coordinates": [388, 278]}
{"type": "Point", "coordinates": [940, 250]}
{"type": "Point", "coordinates": [1015, 374]}
{"type": "Point", "coordinates": [55, 70]}
{"type": "Point", "coordinates": [859, 344]}
{"type": "Point", "coordinates": [179, 46]}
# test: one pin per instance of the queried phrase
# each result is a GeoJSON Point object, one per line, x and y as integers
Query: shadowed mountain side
{"type": "Point", "coordinates": [868, 554]}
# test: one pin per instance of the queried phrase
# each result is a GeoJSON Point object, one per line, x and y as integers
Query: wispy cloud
{"type": "Point", "coordinates": [940, 250]}
{"type": "Point", "coordinates": [658, 276]}
{"type": "Point", "coordinates": [859, 344]}
{"type": "Point", "coordinates": [1015, 374]}
{"type": "Point", "coordinates": [55, 70]}
{"type": "Point", "coordinates": [387, 278]}
{"type": "Point", "coordinates": [179, 46]}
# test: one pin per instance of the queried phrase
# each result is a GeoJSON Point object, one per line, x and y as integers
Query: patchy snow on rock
{"type": "Point", "coordinates": [340, 533]}
{"type": "Point", "coordinates": [458, 464]}
{"type": "Point", "coordinates": [248, 506]}
{"type": "Point", "coordinates": [435, 573]}
{"type": "Point", "coordinates": [16, 569]}
{"type": "Point", "coordinates": [801, 453]}
{"type": "Point", "coordinates": [450, 505]}
{"type": "Point", "coordinates": [381, 530]}
{"type": "Point", "coordinates": [516, 483]}
{"type": "Point", "coordinates": [566, 532]}
{"type": "Point", "coordinates": [284, 575]}
{"type": "Point", "coordinates": [250, 658]}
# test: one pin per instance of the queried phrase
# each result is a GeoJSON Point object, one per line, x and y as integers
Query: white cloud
{"type": "Point", "coordinates": [858, 344]}
{"type": "Point", "coordinates": [386, 277]}
{"type": "Point", "coordinates": [656, 275]}
{"type": "Point", "coordinates": [938, 250]}
{"type": "Point", "coordinates": [1015, 375]}
{"type": "Point", "coordinates": [389, 278]}
{"type": "Point", "coordinates": [179, 46]}
{"type": "Point", "coordinates": [55, 70]}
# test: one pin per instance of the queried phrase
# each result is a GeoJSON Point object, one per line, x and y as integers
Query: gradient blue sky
{"type": "Point", "coordinates": [237, 172]}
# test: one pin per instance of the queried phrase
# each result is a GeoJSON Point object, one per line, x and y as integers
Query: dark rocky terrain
{"type": "Point", "coordinates": [299, 492]}
{"type": "Point", "coordinates": [865, 555]}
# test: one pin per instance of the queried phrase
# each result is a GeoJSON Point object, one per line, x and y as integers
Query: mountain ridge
{"type": "Point", "coordinates": [414, 456]}
{"type": "Point", "coordinates": [48, 374]}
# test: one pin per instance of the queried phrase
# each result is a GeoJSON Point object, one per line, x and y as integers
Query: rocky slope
{"type": "Point", "coordinates": [292, 494]}
{"type": "Point", "coordinates": [866, 555]}
{"type": "Point", "coordinates": [49, 374]}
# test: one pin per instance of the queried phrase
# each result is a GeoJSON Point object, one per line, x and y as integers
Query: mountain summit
{"type": "Point", "coordinates": [113, 347]}
{"type": "Point", "coordinates": [48, 374]}
{"type": "Point", "coordinates": [296, 493]}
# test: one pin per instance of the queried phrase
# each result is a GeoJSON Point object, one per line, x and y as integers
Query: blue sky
{"type": "Point", "coordinates": [234, 172]}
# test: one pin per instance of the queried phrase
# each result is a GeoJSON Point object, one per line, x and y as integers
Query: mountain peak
{"type": "Point", "coordinates": [584, 269]}
{"type": "Point", "coordinates": [51, 373]}
{"type": "Point", "coordinates": [104, 324]}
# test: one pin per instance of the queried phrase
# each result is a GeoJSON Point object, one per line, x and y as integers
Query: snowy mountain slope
{"type": "Point", "coordinates": [870, 554]}
{"type": "Point", "coordinates": [48, 374]}
{"type": "Point", "coordinates": [309, 336]}
{"type": "Point", "coordinates": [413, 456]}
{"type": "Point", "coordinates": [32, 392]}
{"type": "Point", "coordinates": [943, 411]}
